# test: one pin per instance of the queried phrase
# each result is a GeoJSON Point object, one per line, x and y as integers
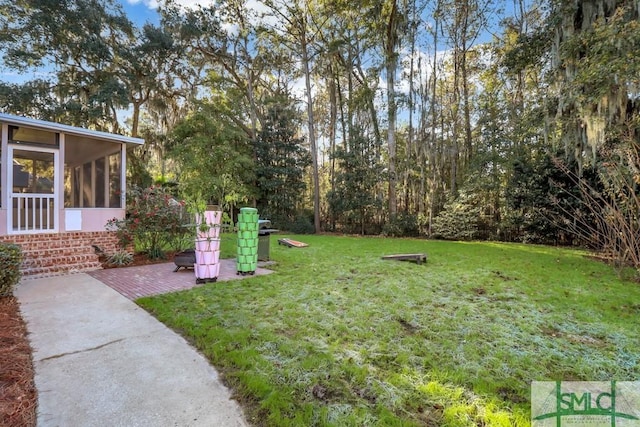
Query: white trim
{"type": "Point", "coordinates": [123, 176]}
{"type": "Point", "coordinates": [92, 199]}
{"type": "Point", "coordinates": [72, 130]}
{"type": "Point", "coordinates": [4, 167]}
{"type": "Point", "coordinates": [80, 185]}
{"type": "Point", "coordinates": [105, 179]}
{"type": "Point", "coordinates": [60, 171]}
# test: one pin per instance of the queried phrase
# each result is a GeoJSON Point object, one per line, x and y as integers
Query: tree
{"type": "Point", "coordinates": [301, 26]}
{"type": "Point", "coordinates": [214, 159]}
{"type": "Point", "coordinates": [354, 200]}
{"type": "Point", "coordinates": [394, 19]}
{"type": "Point", "coordinates": [32, 98]}
{"type": "Point", "coordinates": [281, 160]}
{"type": "Point", "coordinates": [82, 40]}
{"type": "Point", "coordinates": [595, 79]}
{"type": "Point", "coordinates": [232, 60]}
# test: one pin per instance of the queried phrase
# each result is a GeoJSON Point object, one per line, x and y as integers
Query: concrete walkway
{"type": "Point", "coordinates": [100, 360]}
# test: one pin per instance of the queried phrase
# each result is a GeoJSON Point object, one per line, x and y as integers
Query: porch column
{"type": "Point", "coordinates": [123, 176]}
{"type": "Point", "coordinates": [60, 178]}
{"type": "Point", "coordinates": [4, 167]}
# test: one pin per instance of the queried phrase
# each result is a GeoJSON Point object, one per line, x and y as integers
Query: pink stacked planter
{"type": "Point", "coordinates": [207, 266]}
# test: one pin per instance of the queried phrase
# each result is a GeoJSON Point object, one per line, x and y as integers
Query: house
{"type": "Point", "coordinates": [59, 185]}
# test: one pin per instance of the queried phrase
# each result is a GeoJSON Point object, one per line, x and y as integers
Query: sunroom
{"type": "Point", "coordinates": [57, 179]}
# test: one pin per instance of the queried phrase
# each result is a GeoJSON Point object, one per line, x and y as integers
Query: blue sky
{"type": "Point", "coordinates": [139, 12]}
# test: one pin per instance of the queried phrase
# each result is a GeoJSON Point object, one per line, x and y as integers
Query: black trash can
{"type": "Point", "coordinates": [264, 238]}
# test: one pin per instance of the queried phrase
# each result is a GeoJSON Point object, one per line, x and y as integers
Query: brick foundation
{"type": "Point", "coordinates": [62, 253]}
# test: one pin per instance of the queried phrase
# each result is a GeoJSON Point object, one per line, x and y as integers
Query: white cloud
{"type": "Point", "coordinates": [257, 11]}
{"type": "Point", "coordinates": [151, 4]}
{"type": "Point", "coordinates": [254, 5]}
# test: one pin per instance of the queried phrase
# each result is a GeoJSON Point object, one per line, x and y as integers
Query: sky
{"type": "Point", "coordinates": [142, 11]}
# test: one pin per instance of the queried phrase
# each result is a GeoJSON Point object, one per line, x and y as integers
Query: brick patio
{"type": "Point", "coordinates": [154, 279]}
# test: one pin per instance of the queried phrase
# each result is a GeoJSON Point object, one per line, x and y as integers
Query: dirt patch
{"type": "Point", "coordinates": [409, 327]}
{"type": "Point", "coordinates": [574, 338]}
{"type": "Point", "coordinates": [510, 395]}
{"type": "Point", "coordinates": [503, 276]}
{"type": "Point", "coordinates": [18, 396]}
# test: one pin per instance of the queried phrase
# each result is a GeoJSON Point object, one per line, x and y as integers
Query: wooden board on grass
{"type": "Point", "coordinates": [292, 243]}
{"type": "Point", "coordinates": [418, 258]}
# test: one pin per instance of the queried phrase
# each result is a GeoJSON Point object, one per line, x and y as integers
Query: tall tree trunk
{"type": "Point", "coordinates": [433, 153]}
{"type": "Point", "coordinates": [312, 134]}
{"type": "Point", "coordinates": [466, 109]}
{"type": "Point", "coordinates": [409, 146]}
{"type": "Point", "coordinates": [468, 142]}
{"type": "Point", "coordinates": [135, 120]}
{"type": "Point", "coordinates": [333, 87]}
{"type": "Point", "coordinates": [391, 63]}
{"type": "Point", "coordinates": [333, 121]}
{"type": "Point", "coordinates": [454, 150]}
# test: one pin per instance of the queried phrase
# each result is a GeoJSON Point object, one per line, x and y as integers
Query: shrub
{"type": "Point", "coordinates": [120, 258]}
{"type": "Point", "coordinates": [403, 225]}
{"type": "Point", "coordinates": [459, 220]}
{"type": "Point", "coordinates": [10, 259]}
{"type": "Point", "coordinates": [302, 225]}
{"type": "Point", "coordinates": [154, 221]}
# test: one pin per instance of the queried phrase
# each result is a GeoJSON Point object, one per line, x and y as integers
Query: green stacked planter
{"type": "Point", "coordinates": [247, 250]}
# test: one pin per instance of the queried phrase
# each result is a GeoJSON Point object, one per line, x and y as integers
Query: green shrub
{"type": "Point", "coordinates": [301, 225]}
{"type": "Point", "coordinates": [403, 225]}
{"type": "Point", "coordinates": [154, 221]}
{"type": "Point", "coordinates": [10, 259]}
{"type": "Point", "coordinates": [459, 220]}
{"type": "Point", "coordinates": [120, 258]}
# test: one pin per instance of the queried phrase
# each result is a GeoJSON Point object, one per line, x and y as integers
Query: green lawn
{"type": "Point", "coordinates": [338, 336]}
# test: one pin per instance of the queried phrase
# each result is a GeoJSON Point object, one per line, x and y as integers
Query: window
{"type": "Point", "coordinates": [21, 135]}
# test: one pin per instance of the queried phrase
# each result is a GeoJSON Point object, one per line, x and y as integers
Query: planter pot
{"type": "Point", "coordinates": [207, 271]}
{"type": "Point", "coordinates": [248, 234]}
{"type": "Point", "coordinates": [247, 250]}
{"type": "Point", "coordinates": [213, 217]}
{"type": "Point", "coordinates": [247, 226]}
{"type": "Point", "coordinates": [207, 244]}
{"type": "Point", "coordinates": [211, 233]}
{"type": "Point", "coordinates": [207, 257]}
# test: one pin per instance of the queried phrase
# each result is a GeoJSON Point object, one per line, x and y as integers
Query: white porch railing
{"type": "Point", "coordinates": [33, 213]}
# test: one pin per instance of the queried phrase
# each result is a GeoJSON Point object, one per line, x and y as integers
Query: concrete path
{"type": "Point", "coordinates": [100, 360]}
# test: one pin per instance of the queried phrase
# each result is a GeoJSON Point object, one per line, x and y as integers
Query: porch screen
{"type": "Point", "coordinates": [33, 192]}
{"type": "Point", "coordinates": [95, 184]}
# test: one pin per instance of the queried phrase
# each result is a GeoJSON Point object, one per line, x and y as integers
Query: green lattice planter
{"type": "Point", "coordinates": [247, 246]}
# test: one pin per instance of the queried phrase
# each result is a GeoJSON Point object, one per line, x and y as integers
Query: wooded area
{"type": "Point", "coordinates": [457, 119]}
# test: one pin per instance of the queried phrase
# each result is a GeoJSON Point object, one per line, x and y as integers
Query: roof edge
{"type": "Point", "coordinates": [43, 124]}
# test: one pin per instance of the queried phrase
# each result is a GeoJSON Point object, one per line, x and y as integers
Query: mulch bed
{"type": "Point", "coordinates": [138, 259]}
{"type": "Point", "coordinates": [18, 396]}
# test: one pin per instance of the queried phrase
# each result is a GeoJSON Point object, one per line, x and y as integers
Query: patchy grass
{"type": "Point", "coordinates": [340, 337]}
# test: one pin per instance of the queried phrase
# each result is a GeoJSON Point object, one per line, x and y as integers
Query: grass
{"type": "Point", "coordinates": [340, 337]}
